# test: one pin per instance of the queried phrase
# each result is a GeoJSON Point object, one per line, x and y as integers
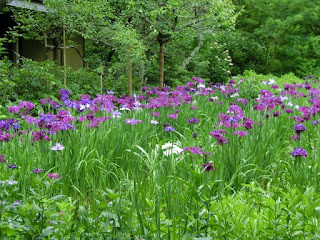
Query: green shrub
{"type": "Point", "coordinates": [250, 88]}
{"type": "Point", "coordinates": [35, 80]}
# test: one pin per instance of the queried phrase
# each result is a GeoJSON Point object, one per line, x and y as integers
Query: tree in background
{"type": "Point", "coordinates": [184, 24]}
{"type": "Point", "coordinates": [277, 36]}
{"type": "Point", "coordinates": [94, 21]}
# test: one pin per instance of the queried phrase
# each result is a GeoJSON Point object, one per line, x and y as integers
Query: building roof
{"type": "Point", "coordinates": [34, 5]}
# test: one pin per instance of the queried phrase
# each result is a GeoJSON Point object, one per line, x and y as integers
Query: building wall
{"type": "Point", "coordinates": [74, 59]}
{"type": "Point", "coordinates": [36, 50]}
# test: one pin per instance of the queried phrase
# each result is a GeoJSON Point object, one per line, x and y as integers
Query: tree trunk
{"type": "Point", "coordinates": [129, 76]}
{"type": "Point", "coordinates": [101, 78]}
{"type": "Point", "coordinates": [161, 64]}
{"type": "Point", "coordinates": [142, 73]}
{"type": "Point", "coordinates": [193, 53]}
{"type": "Point", "coordinates": [64, 57]}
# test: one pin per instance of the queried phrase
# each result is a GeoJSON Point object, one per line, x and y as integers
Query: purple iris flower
{"type": "Point", "coordinates": [173, 116]}
{"type": "Point", "coordinates": [233, 119]}
{"type": "Point", "coordinates": [299, 128]}
{"type": "Point", "coordinates": [218, 134]}
{"type": "Point", "coordinates": [13, 166]}
{"type": "Point", "coordinates": [2, 159]}
{"type": "Point", "coordinates": [169, 128]}
{"type": "Point", "coordinates": [198, 80]}
{"type": "Point", "coordinates": [299, 152]}
{"type": "Point", "coordinates": [14, 109]}
{"type": "Point", "coordinates": [208, 167]}
{"type": "Point", "coordinates": [54, 176]}
{"type": "Point", "coordinates": [37, 171]}
{"type": "Point", "coordinates": [15, 126]}
{"type": "Point", "coordinates": [156, 114]}
{"type": "Point", "coordinates": [193, 120]}
{"type": "Point", "coordinates": [240, 133]}
{"type": "Point", "coordinates": [194, 150]}
{"type": "Point", "coordinates": [132, 121]}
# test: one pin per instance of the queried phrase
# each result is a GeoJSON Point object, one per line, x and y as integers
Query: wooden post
{"type": "Point", "coordinates": [16, 52]}
{"type": "Point", "coordinates": [64, 57]}
{"type": "Point", "coordinates": [161, 63]}
{"type": "Point", "coordinates": [101, 78]}
{"type": "Point", "coordinates": [129, 75]}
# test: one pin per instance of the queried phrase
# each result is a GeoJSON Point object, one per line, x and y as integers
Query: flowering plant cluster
{"type": "Point", "coordinates": [164, 110]}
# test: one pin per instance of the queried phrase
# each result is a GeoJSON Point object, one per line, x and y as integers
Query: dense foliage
{"type": "Point", "coordinates": [276, 36]}
{"type": "Point", "coordinates": [218, 157]}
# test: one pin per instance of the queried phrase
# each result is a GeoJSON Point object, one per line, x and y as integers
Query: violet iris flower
{"type": "Point", "coordinates": [2, 159]}
{"type": "Point", "coordinates": [193, 120]}
{"type": "Point", "coordinates": [208, 167]}
{"type": "Point", "coordinates": [169, 128]}
{"type": "Point", "coordinates": [37, 171]}
{"type": "Point", "coordinates": [299, 152]}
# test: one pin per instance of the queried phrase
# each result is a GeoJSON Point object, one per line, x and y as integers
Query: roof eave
{"type": "Point", "coordinates": [28, 5]}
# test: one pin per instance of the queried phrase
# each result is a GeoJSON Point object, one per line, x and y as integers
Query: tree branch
{"type": "Point", "coordinates": [193, 53]}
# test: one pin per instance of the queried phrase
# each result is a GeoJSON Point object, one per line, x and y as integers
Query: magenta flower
{"type": "Point", "coordinates": [198, 80]}
{"type": "Point", "coordinates": [2, 159]}
{"type": "Point", "coordinates": [240, 133]}
{"type": "Point", "coordinates": [93, 124]}
{"type": "Point", "coordinates": [156, 114]}
{"type": "Point", "coordinates": [54, 176]}
{"type": "Point", "coordinates": [218, 134]}
{"type": "Point", "coordinates": [248, 123]}
{"type": "Point", "coordinates": [242, 100]}
{"type": "Point", "coordinates": [27, 105]}
{"type": "Point", "coordinates": [14, 109]}
{"type": "Point", "coordinates": [208, 167]}
{"type": "Point", "coordinates": [173, 116]}
{"type": "Point", "coordinates": [195, 150]}
{"type": "Point", "coordinates": [38, 136]}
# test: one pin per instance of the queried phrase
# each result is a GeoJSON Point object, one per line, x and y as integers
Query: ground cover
{"type": "Point", "coordinates": [218, 161]}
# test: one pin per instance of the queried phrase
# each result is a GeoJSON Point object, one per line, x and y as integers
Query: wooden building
{"type": "Point", "coordinates": [40, 50]}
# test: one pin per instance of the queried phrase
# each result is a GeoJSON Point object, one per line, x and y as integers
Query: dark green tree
{"type": "Point", "coordinates": [285, 34]}
{"type": "Point", "coordinates": [165, 21]}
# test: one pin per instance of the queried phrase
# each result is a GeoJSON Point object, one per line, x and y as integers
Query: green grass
{"type": "Point", "coordinates": [118, 184]}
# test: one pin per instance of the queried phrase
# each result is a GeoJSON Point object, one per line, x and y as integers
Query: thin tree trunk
{"type": "Point", "coordinates": [64, 57]}
{"type": "Point", "coordinates": [142, 73]}
{"type": "Point", "coordinates": [101, 78]}
{"type": "Point", "coordinates": [130, 76]}
{"type": "Point", "coordinates": [161, 64]}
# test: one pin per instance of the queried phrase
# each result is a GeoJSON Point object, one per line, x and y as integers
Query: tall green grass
{"type": "Point", "coordinates": [118, 184]}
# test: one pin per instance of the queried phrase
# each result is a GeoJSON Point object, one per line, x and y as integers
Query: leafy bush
{"type": "Point", "coordinates": [213, 63]}
{"type": "Point", "coordinates": [35, 80]}
{"type": "Point", "coordinates": [254, 82]}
